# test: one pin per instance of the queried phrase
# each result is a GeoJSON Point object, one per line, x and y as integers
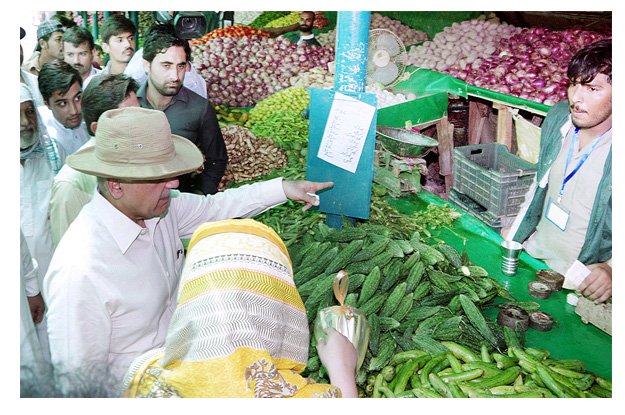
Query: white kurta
{"type": "Point", "coordinates": [93, 72]}
{"type": "Point", "coordinates": [112, 285]}
{"type": "Point", "coordinates": [71, 139]}
{"type": "Point", "coordinates": [35, 186]}
{"type": "Point", "coordinates": [32, 358]}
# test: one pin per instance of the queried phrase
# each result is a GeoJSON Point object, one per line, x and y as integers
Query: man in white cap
{"type": "Point", "coordinates": [112, 284]}
{"type": "Point", "coordinates": [40, 159]}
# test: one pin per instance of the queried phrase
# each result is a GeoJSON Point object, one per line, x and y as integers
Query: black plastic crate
{"type": "Point", "coordinates": [493, 177]}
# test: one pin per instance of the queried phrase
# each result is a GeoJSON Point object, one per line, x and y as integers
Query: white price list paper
{"type": "Point", "coordinates": [345, 132]}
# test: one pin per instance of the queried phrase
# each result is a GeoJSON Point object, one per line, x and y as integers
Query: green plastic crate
{"type": "Point", "coordinates": [493, 177]}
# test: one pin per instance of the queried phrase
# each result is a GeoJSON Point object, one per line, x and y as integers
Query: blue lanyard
{"type": "Point", "coordinates": [581, 161]}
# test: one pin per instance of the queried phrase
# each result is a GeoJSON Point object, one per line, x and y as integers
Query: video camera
{"type": "Point", "coordinates": [193, 25]}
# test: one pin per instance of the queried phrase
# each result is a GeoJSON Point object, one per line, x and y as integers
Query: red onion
{"type": "Point", "coordinates": [531, 64]}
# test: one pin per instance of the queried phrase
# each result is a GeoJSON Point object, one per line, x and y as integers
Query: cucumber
{"type": "Point", "coordinates": [506, 377]}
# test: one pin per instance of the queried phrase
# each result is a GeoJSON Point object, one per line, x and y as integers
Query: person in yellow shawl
{"type": "Point", "coordinates": [240, 327]}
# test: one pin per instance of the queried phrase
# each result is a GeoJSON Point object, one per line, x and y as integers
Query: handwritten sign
{"type": "Point", "coordinates": [345, 132]}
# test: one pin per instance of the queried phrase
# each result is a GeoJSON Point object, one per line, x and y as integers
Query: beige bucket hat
{"type": "Point", "coordinates": [135, 143]}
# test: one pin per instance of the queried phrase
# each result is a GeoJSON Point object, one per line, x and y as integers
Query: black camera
{"type": "Point", "coordinates": [188, 25]}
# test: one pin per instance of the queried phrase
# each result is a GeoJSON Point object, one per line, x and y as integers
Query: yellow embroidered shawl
{"type": "Point", "coordinates": [240, 327]}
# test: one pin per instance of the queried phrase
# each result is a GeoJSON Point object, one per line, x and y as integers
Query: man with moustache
{"type": "Point", "coordinates": [165, 60]}
{"type": "Point", "coordinates": [78, 51]}
{"type": "Point", "coordinates": [60, 85]}
{"type": "Point", "coordinates": [118, 40]}
{"type": "Point", "coordinates": [38, 166]}
{"type": "Point", "coordinates": [306, 26]}
{"type": "Point", "coordinates": [566, 219]}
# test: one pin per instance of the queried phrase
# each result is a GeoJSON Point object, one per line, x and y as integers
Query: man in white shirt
{"type": "Point", "coordinates": [78, 50]}
{"type": "Point", "coordinates": [60, 85]}
{"type": "Point", "coordinates": [118, 40]}
{"type": "Point", "coordinates": [111, 287]}
{"type": "Point", "coordinates": [37, 171]}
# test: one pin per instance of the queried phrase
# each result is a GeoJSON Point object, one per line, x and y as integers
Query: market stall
{"type": "Point", "coordinates": [424, 268]}
{"type": "Point", "coordinates": [407, 220]}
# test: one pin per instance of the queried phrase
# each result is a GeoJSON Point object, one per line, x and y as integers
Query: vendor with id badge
{"type": "Point", "coordinates": [566, 219]}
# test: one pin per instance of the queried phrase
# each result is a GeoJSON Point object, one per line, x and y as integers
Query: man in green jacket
{"type": "Point", "coordinates": [566, 219]}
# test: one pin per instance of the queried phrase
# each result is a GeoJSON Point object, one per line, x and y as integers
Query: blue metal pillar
{"type": "Point", "coordinates": [351, 66]}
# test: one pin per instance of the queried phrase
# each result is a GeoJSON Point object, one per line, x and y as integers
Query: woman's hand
{"type": "Point", "coordinates": [339, 356]}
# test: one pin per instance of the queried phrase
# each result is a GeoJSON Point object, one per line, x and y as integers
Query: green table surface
{"type": "Point", "coordinates": [569, 338]}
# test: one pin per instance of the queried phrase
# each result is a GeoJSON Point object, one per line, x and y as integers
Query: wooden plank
{"type": "Point", "coordinates": [478, 114]}
{"type": "Point", "coordinates": [445, 134]}
{"type": "Point", "coordinates": [504, 125]}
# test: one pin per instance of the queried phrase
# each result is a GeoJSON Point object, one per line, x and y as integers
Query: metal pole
{"type": "Point", "coordinates": [351, 51]}
{"type": "Point", "coordinates": [350, 75]}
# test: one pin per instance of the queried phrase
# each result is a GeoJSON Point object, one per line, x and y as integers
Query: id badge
{"type": "Point", "coordinates": [557, 215]}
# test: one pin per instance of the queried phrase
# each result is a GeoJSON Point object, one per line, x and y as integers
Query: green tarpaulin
{"type": "Point", "coordinates": [569, 337]}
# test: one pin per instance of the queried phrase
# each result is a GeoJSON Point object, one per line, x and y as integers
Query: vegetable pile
{"type": "Point", "coordinates": [461, 44]}
{"type": "Point", "coordinates": [528, 63]}
{"type": "Point", "coordinates": [287, 129]}
{"type": "Point", "coordinates": [531, 64]}
{"type": "Point", "coordinates": [237, 30]}
{"type": "Point", "coordinates": [241, 72]}
{"type": "Point", "coordinates": [286, 20]}
{"type": "Point", "coordinates": [249, 157]}
{"type": "Point", "coordinates": [408, 35]}
{"type": "Point", "coordinates": [453, 371]}
{"type": "Point", "coordinates": [265, 18]}
{"type": "Point", "coordinates": [293, 99]}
